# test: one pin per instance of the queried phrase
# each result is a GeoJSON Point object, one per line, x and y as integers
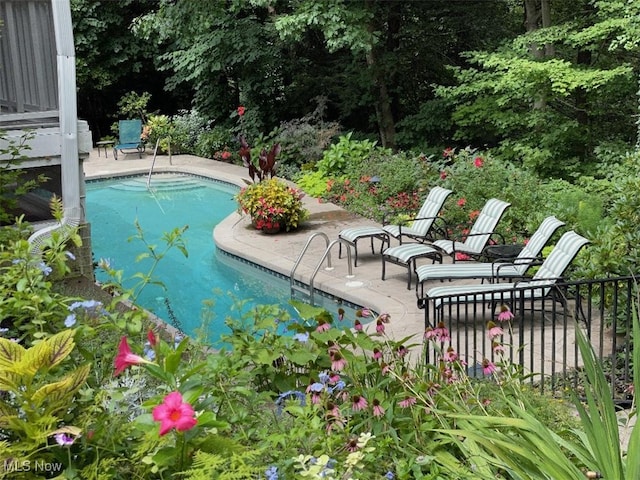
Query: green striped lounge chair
{"type": "Point", "coordinates": [499, 269]}
{"type": "Point", "coordinates": [420, 230]}
{"type": "Point", "coordinates": [538, 287]}
{"type": "Point", "coordinates": [476, 240]}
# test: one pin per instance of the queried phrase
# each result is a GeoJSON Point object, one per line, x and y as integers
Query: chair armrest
{"type": "Point", "coordinates": [501, 263]}
{"type": "Point", "coordinates": [435, 220]}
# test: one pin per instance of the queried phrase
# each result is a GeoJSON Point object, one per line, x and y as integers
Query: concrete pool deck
{"type": "Point", "coordinates": [280, 252]}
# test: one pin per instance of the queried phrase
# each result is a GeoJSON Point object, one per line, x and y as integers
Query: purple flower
{"type": "Point", "coordinates": [63, 439]}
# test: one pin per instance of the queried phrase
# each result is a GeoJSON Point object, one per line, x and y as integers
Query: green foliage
{"type": "Point", "coordinates": [38, 392]}
{"type": "Point", "coordinates": [160, 128]}
{"type": "Point", "coordinates": [304, 140]}
{"type": "Point", "coordinates": [551, 112]}
{"type": "Point", "coordinates": [314, 183]}
{"type": "Point", "coordinates": [336, 159]}
{"type": "Point", "coordinates": [13, 181]}
{"type": "Point", "coordinates": [214, 143]}
{"type": "Point", "coordinates": [580, 209]}
{"type": "Point", "coordinates": [134, 105]}
{"type": "Point", "coordinates": [475, 177]}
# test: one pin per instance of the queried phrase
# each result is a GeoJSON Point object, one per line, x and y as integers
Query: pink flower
{"type": "Point", "coordinates": [493, 330]}
{"type": "Point", "coordinates": [462, 202]}
{"type": "Point", "coordinates": [226, 155]}
{"type": "Point", "coordinates": [378, 410]}
{"type": "Point", "coordinates": [429, 333]}
{"type": "Point", "coordinates": [379, 326]}
{"type": "Point", "coordinates": [473, 214]}
{"type": "Point", "coordinates": [377, 354]}
{"type": "Point", "coordinates": [401, 351]}
{"type": "Point", "coordinates": [478, 162]}
{"type": "Point", "coordinates": [462, 257]}
{"type": "Point", "coordinates": [441, 333]}
{"type": "Point", "coordinates": [384, 368]}
{"type": "Point", "coordinates": [126, 357]}
{"type": "Point", "coordinates": [323, 327]}
{"type": "Point", "coordinates": [241, 110]}
{"type": "Point", "coordinates": [497, 348]}
{"type": "Point", "coordinates": [385, 317]}
{"type": "Point", "coordinates": [340, 314]}
{"type": "Point", "coordinates": [357, 326]}
{"type": "Point", "coordinates": [337, 362]}
{"type": "Point", "coordinates": [488, 367]}
{"type": "Point", "coordinates": [407, 402]}
{"type": "Point", "coordinates": [174, 413]}
{"type": "Point", "coordinates": [450, 355]}
{"type": "Point", "coordinates": [505, 314]}
{"type": "Point", "coordinates": [358, 402]}
{"type": "Point", "coordinates": [352, 445]}
{"type": "Point", "coordinates": [448, 152]}
{"type": "Point", "coordinates": [443, 175]}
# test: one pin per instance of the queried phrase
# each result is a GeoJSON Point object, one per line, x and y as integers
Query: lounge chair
{"type": "Point", "coordinates": [498, 269]}
{"type": "Point", "coordinates": [538, 287]}
{"type": "Point", "coordinates": [129, 132]}
{"type": "Point", "coordinates": [477, 239]}
{"type": "Point", "coordinates": [421, 229]}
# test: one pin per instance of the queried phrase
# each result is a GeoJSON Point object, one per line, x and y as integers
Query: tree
{"type": "Point", "coordinates": [551, 110]}
{"type": "Point", "coordinates": [111, 61]}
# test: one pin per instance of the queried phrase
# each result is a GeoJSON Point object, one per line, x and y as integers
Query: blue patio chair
{"type": "Point", "coordinates": [129, 133]}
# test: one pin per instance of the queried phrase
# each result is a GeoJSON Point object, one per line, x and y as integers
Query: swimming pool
{"type": "Point", "coordinates": [176, 200]}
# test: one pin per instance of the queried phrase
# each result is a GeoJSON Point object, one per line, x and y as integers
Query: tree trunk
{"type": "Point", "coordinates": [383, 102]}
{"type": "Point", "coordinates": [384, 114]}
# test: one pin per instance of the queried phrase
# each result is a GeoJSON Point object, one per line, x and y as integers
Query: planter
{"type": "Point", "coordinates": [268, 229]}
{"type": "Point", "coordinates": [271, 231]}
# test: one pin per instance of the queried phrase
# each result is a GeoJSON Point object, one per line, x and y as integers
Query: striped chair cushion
{"type": "Point", "coordinates": [406, 252]}
{"type": "Point", "coordinates": [480, 232]}
{"type": "Point", "coordinates": [354, 233]}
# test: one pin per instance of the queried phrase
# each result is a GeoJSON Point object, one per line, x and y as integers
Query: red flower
{"type": "Point", "coordinates": [443, 174]}
{"type": "Point", "coordinates": [478, 162]}
{"type": "Point", "coordinates": [241, 110]}
{"type": "Point", "coordinates": [174, 413]}
{"type": "Point", "coordinates": [462, 202]}
{"type": "Point", "coordinates": [448, 152]}
{"type": "Point", "coordinates": [226, 155]}
{"type": "Point", "coordinates": [126, 357]}
{"type": "Point", "coordinates": [152, 337]}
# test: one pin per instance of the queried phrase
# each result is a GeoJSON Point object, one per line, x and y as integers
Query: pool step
{"type": "Point", "coordinates": [160, 183]}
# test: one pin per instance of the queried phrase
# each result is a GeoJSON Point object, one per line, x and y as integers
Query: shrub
{"type": "Point", "coordinates": [336, 159]}
{"type": "Point", "coordinates": [215, 143]}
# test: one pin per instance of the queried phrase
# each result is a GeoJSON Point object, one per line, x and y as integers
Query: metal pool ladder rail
{"type": "Point", "coordinates": [327, 254]}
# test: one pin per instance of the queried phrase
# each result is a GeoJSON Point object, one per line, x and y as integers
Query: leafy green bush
{"type": "Point", "coordinates": [336, 159]}
{"type": "Point", "coordinates": [188, 126]}
{"type": "Point", "coordinates": [304, 140]}
{"type": "Point", "coordinates": [581, 210]}
{"type": "Point", "coordinates": [476, 177]}
{"type": "Point", "coordinates": [215, 143]}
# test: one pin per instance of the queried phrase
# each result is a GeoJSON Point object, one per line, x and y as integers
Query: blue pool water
{"type": "Point", "coordinates": [175, 200]}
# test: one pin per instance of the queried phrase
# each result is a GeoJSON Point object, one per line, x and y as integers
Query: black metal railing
{"type": "Point", "coordinates": [540, 339]}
